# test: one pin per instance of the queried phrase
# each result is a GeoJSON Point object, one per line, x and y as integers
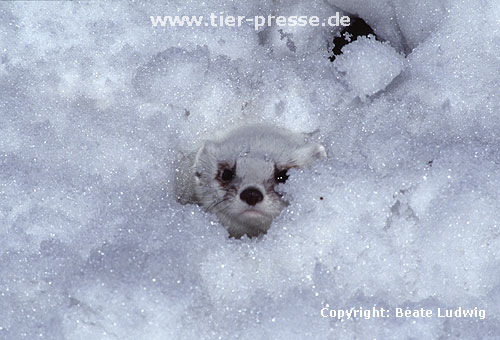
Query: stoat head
{"type": "Point", "coordinates": [236, 175]}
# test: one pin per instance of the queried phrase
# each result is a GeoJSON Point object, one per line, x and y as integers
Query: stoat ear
{"type": "Point", "coordinates": [309, 153]}
{"type": "Point", "coordinates": [208, 148]}
{"type": "Point", "coordinates": [205, 158]}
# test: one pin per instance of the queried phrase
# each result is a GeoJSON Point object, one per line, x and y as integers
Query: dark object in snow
{"type": "Point", "coordinates": [357, 28]}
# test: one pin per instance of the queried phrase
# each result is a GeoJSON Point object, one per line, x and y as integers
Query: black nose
{"type": "Point", "coordinates": [252, 196]}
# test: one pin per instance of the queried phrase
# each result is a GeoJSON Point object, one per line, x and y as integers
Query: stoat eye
{"type": "Point", "coordinates": [227, 175]}
{"type": "Point", "coordinates": [281, 176]}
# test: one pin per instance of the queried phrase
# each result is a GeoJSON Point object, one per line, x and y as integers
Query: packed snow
{"type": "Point", "coordinates": [369, 66]}
{"type": "Point", "coordinates": [97, 106]}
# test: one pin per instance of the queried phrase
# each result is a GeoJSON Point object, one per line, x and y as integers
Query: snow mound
{"type": "Point", "coordinates": [369, 65]}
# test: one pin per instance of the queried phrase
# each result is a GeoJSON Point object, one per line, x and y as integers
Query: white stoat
{"type": "Point", "coordinates": [235, 176]}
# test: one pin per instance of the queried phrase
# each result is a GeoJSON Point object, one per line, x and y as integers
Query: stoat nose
{"type": "Point", "coordinates": [251, 195]}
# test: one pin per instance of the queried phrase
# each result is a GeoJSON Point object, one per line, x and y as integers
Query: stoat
{"type": "Point", "coordinates": [235, 176]}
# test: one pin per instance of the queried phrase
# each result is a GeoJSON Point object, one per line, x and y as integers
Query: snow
{"type": "Point", "coordinates": [405, 23]}
{"type": "Point", "coordinates": [97, 106]}
{"type": "Point", "coordinates": [369, 66]}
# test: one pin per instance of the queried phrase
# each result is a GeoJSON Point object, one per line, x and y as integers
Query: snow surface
{"type": "Point", "coordinates": [97, 106]}
{"type": "Point", "coordinates": [369, 66]}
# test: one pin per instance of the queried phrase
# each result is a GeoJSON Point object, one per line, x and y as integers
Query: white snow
{"type": "Point", "coordinates": [369, 66]}
{"type": "Point", "coordinates": [97, 106]}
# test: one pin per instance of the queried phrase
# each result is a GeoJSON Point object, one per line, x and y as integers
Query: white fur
{"type": "Point", "coordinates": [255, 151]}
